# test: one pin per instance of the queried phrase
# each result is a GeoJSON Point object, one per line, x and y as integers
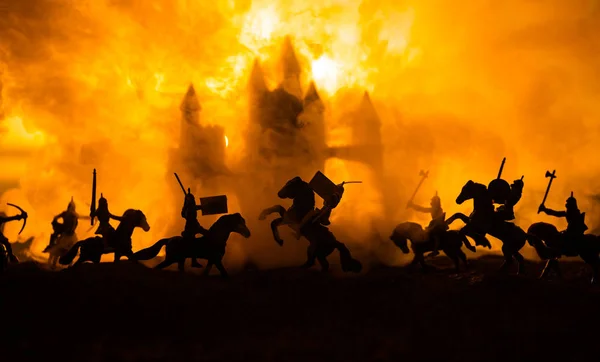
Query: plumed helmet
{"type": "Point", "coordinates": [571, 201]}
{"type": "Point", "coordinates": [436, 199]}
{"type": "Point", "coordinates": [71, 205]}
{"type": "Point", "coordinates": [102, 201]}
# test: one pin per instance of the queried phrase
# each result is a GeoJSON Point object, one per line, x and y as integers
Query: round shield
{"type": "Point", "coordinates": [499, 190]}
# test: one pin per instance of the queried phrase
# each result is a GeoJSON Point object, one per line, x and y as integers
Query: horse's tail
{"type": "Point", "coordinates": [541, 249]}
{"type": "Point", "coordinates": [349, 264]}
{"type": "Point", "coordinates": [151, 252]}
{"type": "Point", "coordinates": [67, 259]}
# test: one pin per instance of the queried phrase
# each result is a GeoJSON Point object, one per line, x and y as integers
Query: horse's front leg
{"type": "Point", "coordinates": [508, 258]}
{"type": "Point", "coordinates": [271, 210]}
{"type": "Point", "coordinates": [275, 229]}
{"type": "Point", "coordinates": [459, 215]}
{"type": "Point", "coordinates": [520, 263]}
{"type": "Point", "coordinates": [221, 268]}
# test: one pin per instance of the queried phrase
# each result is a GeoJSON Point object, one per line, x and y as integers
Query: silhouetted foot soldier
{"type": "Point", "coordinates": [576, 226]}
{"type": "Point", "coordinates": [4, 240]}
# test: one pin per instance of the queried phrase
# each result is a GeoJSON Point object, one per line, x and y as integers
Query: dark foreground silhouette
{"type": "Point", "coordinates": [128, 312]}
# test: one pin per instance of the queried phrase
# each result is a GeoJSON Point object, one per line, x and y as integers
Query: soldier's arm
{"type": "Point", "coordinates": [421, 208]}
{"type": "Point", "coordinates": [198, 207]}
{"type": "Point", "coordinates": [59, 216]}
{"type": "Point", "coordinates": [4, 219]}
{"type": "Point", "coordinates": [555, 213]}
{"type": "Point", "coordinates": [115, 217]}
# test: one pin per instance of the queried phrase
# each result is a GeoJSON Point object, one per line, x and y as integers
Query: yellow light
{"type": "Point", "coordinates": [325, 73]}
{"type": "Point", "coordinates": [226, 141]}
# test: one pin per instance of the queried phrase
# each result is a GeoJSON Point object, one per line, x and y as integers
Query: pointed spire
{"type": "Point", "coordinates": [257, 78]}
{"type": "Point", "coordinates": [289, 60]}
{"type": "Point", "coordinates": [311, 94]}
{"type": "Point", "coordinates": [367, 109]}
{"type": "Point", "coordinates": [190, 101]}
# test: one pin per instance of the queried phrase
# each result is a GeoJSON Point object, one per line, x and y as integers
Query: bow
{"type": "Point", "coordinates": [22, 213]}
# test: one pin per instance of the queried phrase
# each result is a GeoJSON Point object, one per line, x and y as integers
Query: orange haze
{"type": "Point", "coordinates": [457, 85]}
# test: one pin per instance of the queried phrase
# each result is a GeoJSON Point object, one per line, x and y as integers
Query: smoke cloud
{"type": "Point", "coordinates": [457, 86]}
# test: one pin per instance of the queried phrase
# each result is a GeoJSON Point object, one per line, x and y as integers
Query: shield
{"type": "Point", "coordinates": [324, 187]}
{"type": "Point", "coordinates": [214, 205]}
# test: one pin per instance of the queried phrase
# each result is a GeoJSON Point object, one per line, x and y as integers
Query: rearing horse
{"type": "Point", "coordinates": [303, 215]}
{"type": "Point", "coordinates": [483, 220]}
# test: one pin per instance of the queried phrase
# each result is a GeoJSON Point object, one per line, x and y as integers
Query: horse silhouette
{"type": "Point", "coordinates": [210, 247]}
{"type": "Point", "coordinates": [550, 245]}
{"type": "Point", "coordinates": [92, 249]}
{"type": "Point", "coordinates": [451, 242]}
{"type": "Point", "coordinates": [307, 220]}
{"type": "Point", "coordinates": [483, 220]}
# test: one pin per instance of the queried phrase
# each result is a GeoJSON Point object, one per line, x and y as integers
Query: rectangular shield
{"type": "Point", "coordinates": [214, 205]}
{"type": "Point", "coordinates": [323, 186]}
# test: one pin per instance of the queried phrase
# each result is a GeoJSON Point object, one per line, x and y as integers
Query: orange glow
{"type": "Point", "coordinates": [455, 87]}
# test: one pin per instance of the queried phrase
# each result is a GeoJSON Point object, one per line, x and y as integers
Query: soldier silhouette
{"type": "Point", "coordinates": [576, 226]}
{"type": "Point", "coordinates": [437, 225]}
{"type": "Point", "coordinates": [70, 219]}
{"type": "Point", "coordinates": [105, 229]}
{"type": "Point", "coordinates": [192, 226]}
{"type": "Point", "coordinates": [3, 239]}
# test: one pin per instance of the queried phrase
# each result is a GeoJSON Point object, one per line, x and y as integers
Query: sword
{"type": "Point", "coordinates": [180, 184]}
{"type": "Point", "coordinates": [93, 205]}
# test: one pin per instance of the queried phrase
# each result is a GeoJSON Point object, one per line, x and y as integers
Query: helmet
{"type": "Point", "coordinates": [71, 204]}
{"type": "Point", "coordinates": [571, 201]}
{"type": "Point", "coordinates": [436, 199]}
{"type": "Point", "coordinates": [499, 190]}
{"type": "Point", "coordinates": [102, 201]}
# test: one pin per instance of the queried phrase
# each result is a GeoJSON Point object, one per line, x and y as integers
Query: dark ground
{"type": "Point", "coordinates": [128, 312]}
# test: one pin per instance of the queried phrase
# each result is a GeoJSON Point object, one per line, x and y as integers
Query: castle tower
{"type": "Point", "coordinates": [313, 130]}
{"type": "Point", "coordinates": [291, 69]}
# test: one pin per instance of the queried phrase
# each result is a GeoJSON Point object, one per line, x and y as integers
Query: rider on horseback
{"type": "Point", "coordinates": [437, 226]}
{"type": "Point", "coordinates": [3, 239]}
{"type": "Point", "coordinates": [105, 229]}
{"type": "Point", "coordinates": [70, 219]}
{"type": "Point", "coordinates": [192, 226]}
{"type": "Point", "coordinates": [576, 226]}
{"type": "Point", "coordinates": [506, 211]}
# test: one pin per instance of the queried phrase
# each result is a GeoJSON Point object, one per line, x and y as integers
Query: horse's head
{"type": "Point", "coordinates": [403, 232]}
{"type": "Point", "coordinates": [291, 188]}
{"type": "Point", "coordinates": [235, 223]}
{"type": "Point", "coordinates": [137, 219]}
{"type": "Point", "coordinates": [467, 192]}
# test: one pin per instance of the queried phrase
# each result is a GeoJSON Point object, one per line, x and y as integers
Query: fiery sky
{"type": "Point", "coordinates": [458, 85]}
